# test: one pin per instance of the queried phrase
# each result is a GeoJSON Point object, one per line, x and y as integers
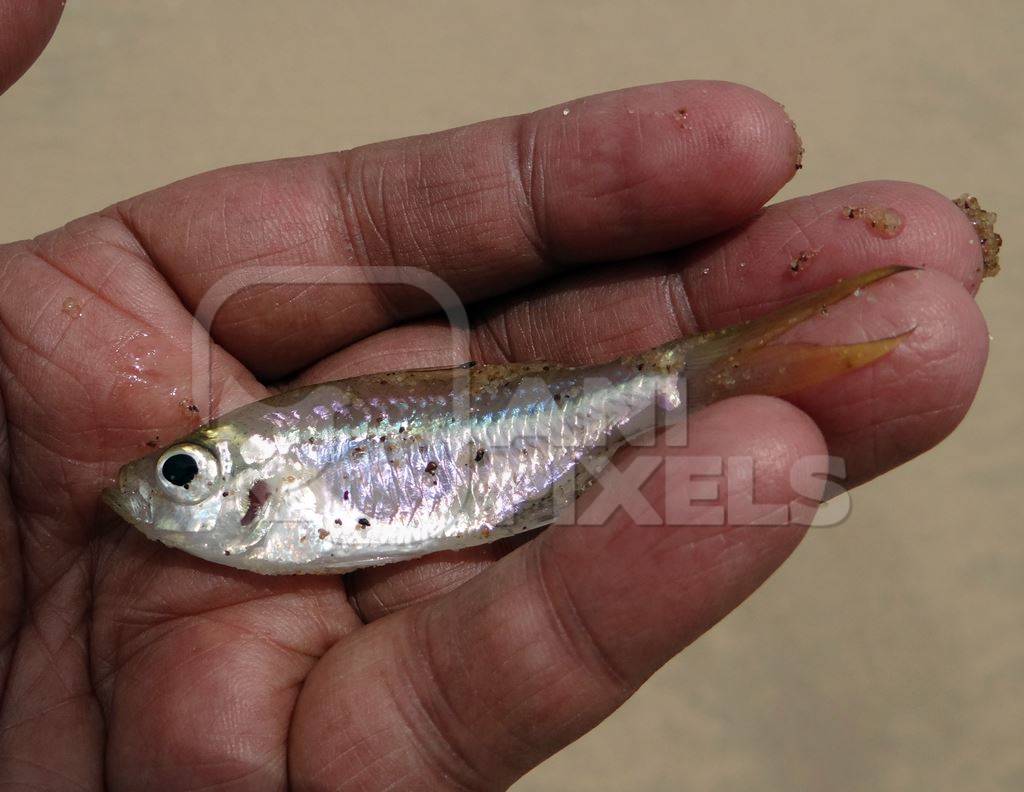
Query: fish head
{"type": "Point", "coordinates": [174, 496]}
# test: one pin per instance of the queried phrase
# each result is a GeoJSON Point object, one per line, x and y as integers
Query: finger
{"type": "Point", "coordinates": [877, 418]}
{"type": "Point", "coordinates": [25, 29]}
{"type": "Point", "coordinates": [488, 208]}
{"type": "Point", "coordinates": [480, 685]}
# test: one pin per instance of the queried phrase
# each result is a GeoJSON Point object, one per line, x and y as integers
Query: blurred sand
{"type": "Point", "coordinates": [889, 652]}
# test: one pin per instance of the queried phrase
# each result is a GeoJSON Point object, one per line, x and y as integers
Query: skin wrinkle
{"type": "Point", "coordinates": [489, 343]}
{"type": "Point", "coordinates": [105, 682]}
{"type": "Point", "coordinates": [44, 769]}
{"type": "Point", "coordinates": [520, 705]}
{"type": "Point", "coordinates": [955, 408]}
{"type": "Point", "coordinates": [572, 628]}
{"type": "Point", "coordinates": [38, 516]}
{"type": "Point", "coordinates": [85, 696]}
{"type": "Point", "coordinates": [42, 566]}
{"type": "Point", "coordinates": [27, 348]}
{"type": "Point", "coordinates": [354, 235]}
{"type": "Point", "coordinates": [40, 632]}
{"type": "Point", "coordinates": [70, 700]}
{"type": "Point", "coordinates": [680, 304]}
{"type": "Point", "coordinates": [412, 585]}
{"type": "Point", "coordinates": [431, 733]}
{"type": "Point", "coordinates": [90, 226]}
{"type": "Point", "coordinates": [446, 719]}
{"type": "Point", "coordinates": [387, 228]}
{"type": "Point", "coordinates": [528, 187]}
{"type": "Point", "coordinates": [26, 432]}
{"type": "Point", "coordinates": [267, 291]}
{"type": "Point", "coordinates": [357, 186]}
{"type": "Point", "coordinates": [351, 746]}
{"type": "Point", "coordinates": [176, 623]}
{"type": "Point", "coordinates": [395, 781]}
{"type": "Point", "coordinates": [146, 260]}
{"type": "Point", "coordinates": [292, 294]}
{"type": "Point", "coordinates": [115, 264]}
{"type": "Point", "coordinates": [12, 613]}
{"type": "Point", "coordinates": [802, 229]}
{"type": "Point", "coordinates": [35, 608]}
{"type": "Point", "coordinates": [260, 769]}
{"type": "Point", "coordinates": [259, 637]}
{"type": "Point", "coordinates": [517, 740]}
{"type": "Point", "coordinates": [126, 222]}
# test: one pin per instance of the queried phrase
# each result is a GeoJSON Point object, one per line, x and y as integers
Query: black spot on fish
{"type": "Point", "coordinates": [480, 455]}
{"type": "Point", "coordinates": [431, 467]}
{"type": "Point", "coordinates": [364, 522]}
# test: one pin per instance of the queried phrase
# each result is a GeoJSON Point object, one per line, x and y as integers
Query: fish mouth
{"type": "Point", "coordinates": [127, 503]}
{"type": "Point", "coordinates": [115, 499]}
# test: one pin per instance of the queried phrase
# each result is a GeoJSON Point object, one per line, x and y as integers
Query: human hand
{"type": "Point", "coordinates": [572, 237]}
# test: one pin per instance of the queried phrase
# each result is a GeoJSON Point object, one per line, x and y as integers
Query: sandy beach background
{"type": "Point", "coordinates": [888, 653]}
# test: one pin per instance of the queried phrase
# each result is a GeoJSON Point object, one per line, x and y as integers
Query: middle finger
{"type": "Point", "coordinates": [488, 208]}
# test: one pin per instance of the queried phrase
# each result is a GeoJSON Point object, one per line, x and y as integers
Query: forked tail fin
{"type": "Point", "coordinates": [738, 360]}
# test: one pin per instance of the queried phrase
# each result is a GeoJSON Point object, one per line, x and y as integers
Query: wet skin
{"type": "Point", "coordinates": [572, 237]}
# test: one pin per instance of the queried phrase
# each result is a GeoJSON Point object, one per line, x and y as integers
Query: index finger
{"type": "Point", "coordinates": [488, 207]}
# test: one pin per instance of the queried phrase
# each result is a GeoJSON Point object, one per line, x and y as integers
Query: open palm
{"type": "Point", "coordinates": [574, 236]}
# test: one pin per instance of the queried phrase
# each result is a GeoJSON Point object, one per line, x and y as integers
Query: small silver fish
{"type": "Point", "coordinates": [386, 467]}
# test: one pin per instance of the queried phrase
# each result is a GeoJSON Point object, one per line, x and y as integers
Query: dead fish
{"type": "Point", "coordinates": [386, 467]}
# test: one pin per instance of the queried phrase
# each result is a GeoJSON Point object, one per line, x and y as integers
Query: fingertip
{"type": "Point", "coordinates": [934, 231]}
{"type": "Point", "coordinates": [907, 402]}
{"type": "Point", "coordinates": [654, 167]}
{"type": "Point", "coordinates": [803, 244]}
{"type": "Point", "coordinates": [26, 29]}
{"type": "Point", "coordinates": [752, 144]}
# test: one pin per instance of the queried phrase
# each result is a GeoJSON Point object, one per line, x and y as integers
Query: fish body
{"type": "Point", "coordinates": [385, 467]}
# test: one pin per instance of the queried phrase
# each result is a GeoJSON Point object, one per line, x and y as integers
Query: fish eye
{"type": "Point", "coordinates": [180, 469]}
{"type": "Point", "coordinates": [187, 473]}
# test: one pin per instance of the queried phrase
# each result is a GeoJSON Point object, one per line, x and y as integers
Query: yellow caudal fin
{"type": "Point", "coordinates": [739, 360]}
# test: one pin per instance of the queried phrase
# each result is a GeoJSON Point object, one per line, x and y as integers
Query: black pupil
{"type": "Point", "coordinates": [180, 469]}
